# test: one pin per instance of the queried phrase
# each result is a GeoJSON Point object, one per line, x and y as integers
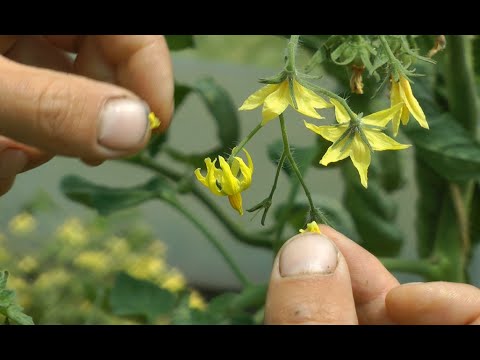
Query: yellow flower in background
{"type": "Point", "coordinates": [276, 98]}
{"type": "Point", "coordinates": [28, 264]}
{"type": "Point", "coordinates": [73, 233]}
{"type": "Point", "coordinates": [22, 224]}
{"type": "Point", "coordinates": [118, 246]}
{"type": "Point", "coordinates": [225, 181]}
{"type": "Point", "coordinates": [196, 301]}
{"type": "Point", "coordinates": [51, 279]}
{"type": "Point", "coordinates": [146, 267]}
{"type": "Point", "coordinates": [311, 227]}
{"type": "Point", "coordinates": [357, 140]}
{"type": "Point", "coordinates": [95, 261]}
{"type": "Point", "coordinates": [174, 281]}
{"type": "Point", "coordinates": [401, 92]}
{"type": "Point", "coordinates": [153, 121]}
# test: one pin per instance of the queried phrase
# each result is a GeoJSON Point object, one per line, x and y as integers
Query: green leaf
{"type": "Point", "coordinates": [304, 156]}
{"type": "Point", "coordinates": [179, 42]}
{"type": "Point", "coordinates": [8, 303]}
{"type": "Point", "coordinates": [133, 297]}
{"type": "Point", "coordinates": [390, 173]}
{"type": "Point", "coordinates": [447, 148]}
{"type": "Point", "coordinates": [373, 213]}
{"type": "Point", "coordinates": [107, 200]}
{"type": "Point", "coordinates": [431, 188]}
{"type": "Point", "coordinates": [15, 313]}
{"type": "Point", "coordinates": [475, 215]}
{"type": "Point", "coordinates": [222, 108]}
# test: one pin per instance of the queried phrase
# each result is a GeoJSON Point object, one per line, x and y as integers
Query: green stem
{"type": "Point", "coordinates": [238, 233]}
{"type": "Point", "coordinates": [226, 256]}
{"type": "Point", "coordinates": [277, 174]}
{"type": "Point", "coordinates": [330, 94]}
{"type": "Point", "coordinates": [462, 94]}
{"type": "Point", "coordinates": [291, 160]}
{"type": "Point", "coordinates": [244, 142]}
{"type": "Point", "coordinates": [282, 218]}
{"type": "Point", "coordinates": [397, 66]}
{"type": "Point", "coordinates": [292, 45]}
{"type": "Point", "coordinates": [420, 267]}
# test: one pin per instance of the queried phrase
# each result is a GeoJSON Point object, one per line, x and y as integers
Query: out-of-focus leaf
{"type": "Point", "coordinates": [107, 200]}
{"type": "Point", "coordinates": [179, 42]}
{"type": "Point", "coordinates": [303, 156]}
{"type": "Point", "coordinates": [447, 148]}
{"type": "Point", "coordinates": [373, 213]}
{"type": "Point", "coordinates": [431, 189]}
{"type": "Point", "coordinates": [222, 108]}
{"type": "Point", "coordinates": [391, 175]}
{"type": "Point", "coordinates": [475, 215]}
{"type": "Point", "coordinates": [133, 297]}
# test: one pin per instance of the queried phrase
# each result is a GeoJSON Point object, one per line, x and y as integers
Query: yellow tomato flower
{"type": "Point", "coordinates": [196, 301]}
{"type": "Point", "coordinates": [22, 224]}
{"type": "Point", "coordinates": [276, 97]}
{"type": "Point", "coordinates": [401, 92]}
{"type": "Point", "coordinates": [356, 140]}
{"type": "Point", "coordinates": [225, 181]}
{"type": "Point", "coordinates": [153, 121]}
{"type": "Point", "coordinates": [311, 227]}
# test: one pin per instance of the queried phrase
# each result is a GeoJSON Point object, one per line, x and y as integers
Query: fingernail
{"type": "Point", "coordinates": [123, 123]}
{"type": "Point", "coordinates": [308, 254]}
{"type": "Point", "coordinates": [12, 161]}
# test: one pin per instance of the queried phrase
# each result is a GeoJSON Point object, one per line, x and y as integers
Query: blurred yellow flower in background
{"type": "Point", "coordinates": [73, 233]}
{"type": "Point", "coordinates": [96, 261]}
{"type": "Point", "coordinates": [28, 264]}
{"type": "Point", "coordinates": [196, 301]}
{"type": "Point", "coordinates": [22, 224]}
{"type": "Point", "coordinates": [174, 281]}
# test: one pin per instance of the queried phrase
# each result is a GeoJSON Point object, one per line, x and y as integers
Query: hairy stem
{"type": "Point", "coordinates": [237, 232]}
{"type": "Point", "coordinates": [244, 142]}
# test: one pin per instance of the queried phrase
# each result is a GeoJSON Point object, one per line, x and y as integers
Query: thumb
{"type": "Point", "coordinates": [310, 284]}
{"type": "Point", "coordinates": [70, 115]}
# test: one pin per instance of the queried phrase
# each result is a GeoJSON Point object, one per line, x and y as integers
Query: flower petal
{"type": "Point", "coordinates": [230, 184]}
{"type": "Point", "coordinates": [246, 171]}
{"type": "Point", "coordinates": [360, 155]}
{"type": "Point", "coordinates": [276, 102]}
{"type": "Point", "coordinates": [395, 99]}
{"type": "Point", "coordinates": [341, 113]}
{"type": "Point", "coordinates": [380, 141]}
{"type": "Point", "coordinates": [335, 153]}
{"type": "Point", "coordinates": [308, 101]}
{"type": "Point", "coordinates": [412, 103]}
{"type": "Point", "coordinates": [331, 133]}
{"type": "Point", "coordinates": [381, 118]}
{"type": "Point", "coordinates": [258, 97]}
{"type": "Point", "coordinates": [405, 115]}
{"type": "Point", "coordinates": [236, 202]}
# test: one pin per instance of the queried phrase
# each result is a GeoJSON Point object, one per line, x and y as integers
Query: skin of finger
{"type": "Point", "coordinates": [371, 281]}
{"type": "Point", "coordinates": [434, 303]}
{"type": "Point", "coordinates": [56, 112]}
{"type": "Point", "coordinates": [35, 50]}
{"type": "Point", "coordinates": [141, 64]}
{"type": "Point", "coordinates": [36, 157]}
{"type": "Point", "coordinates": [310, 299]}
{"type": "Point", "coordinates": [6, 42]}
{"type": "Point", "coordinates": [6, 184]}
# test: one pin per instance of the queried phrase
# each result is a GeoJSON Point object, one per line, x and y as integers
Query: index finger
{"type": "Point", "coordinates": [371, 281]}
{"type": "Point", "coordinates": [139, 63]}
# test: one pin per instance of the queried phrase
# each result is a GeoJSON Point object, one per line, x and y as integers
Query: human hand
{"type": "Point", "coordinates": [318, 281]}
{"type": "Point", "coordinates": [93, 108]}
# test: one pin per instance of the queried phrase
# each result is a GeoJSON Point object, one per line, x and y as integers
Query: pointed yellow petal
{"type": "Point", "coordinates": [395, 99]}
{"type": "Point", "coordinates": [258, 97]}
{"type": "Point", "coordinates": [360, 155]}
{"type": "Point", "coordinates": [405, 115]}
{"type": "Point", "coordinates": [230, 184]}
{"type": "Point", "coordinates": [246, 171]}
{"type": "Point", "coordinates": [311, 227]}
{"type": "Point", "coordinates": [341, 113]}
{"type": "Point", "coordinates": [200, 177]}
{"type": "Point", "coordinates": [331, 133]}
{"type": "Point", "coordinates": [308, 101]}
{"type": "Point", "coordinates": [212, 177]}
{"type": "Point", "coordinates": [236, 202]}
{"type": "Point", "coordinates": [380, 141]}
{"type": "Point", "coordinates": [276, 102]}
{"type": "Point", "coordinates": [412, 103]}
{"type": "Point", "coordinates": [334, 153]}
{"type": "Point", "coordinates": [381, 118]}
